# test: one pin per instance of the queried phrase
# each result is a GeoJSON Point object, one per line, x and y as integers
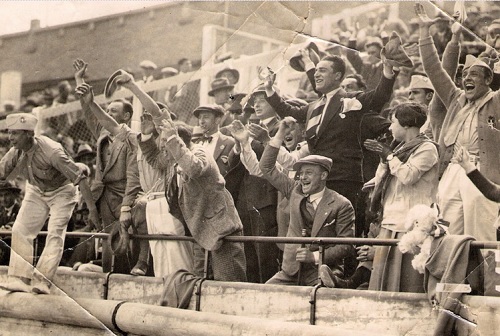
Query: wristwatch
{"type": "Point", "coordinates": [389, 157]}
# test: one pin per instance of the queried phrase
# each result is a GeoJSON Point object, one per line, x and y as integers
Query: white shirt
{"type": "Point", "coordinates": [210, 146]}
{"type": "Point", "coordinates": [314, 199]}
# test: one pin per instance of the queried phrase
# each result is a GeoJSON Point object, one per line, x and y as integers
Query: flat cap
{"type": "Point", "coordinates": [21, 121]}
{"type": "Point", "coordinates": [215, 109]}
{"type": "Point", "coordinates": [317, 160]}
{"type": "Point", "coordinates": [169, 71]}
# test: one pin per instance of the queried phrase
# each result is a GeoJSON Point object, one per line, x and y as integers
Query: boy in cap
{"type": "Point", "coordinates": [320, 211]}
{"type": "Point", "coordinates": [50, 190]}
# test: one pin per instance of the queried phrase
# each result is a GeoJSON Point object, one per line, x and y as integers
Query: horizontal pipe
{"type": "Point", "coordinates": [265, 239]}
{"type": "Point", "coordinates": [148, 320]}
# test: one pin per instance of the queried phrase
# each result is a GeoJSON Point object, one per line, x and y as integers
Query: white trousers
{"type": "Point", "coordinates": [463, 205]}
{"type": "Point", "coordinates": [35, 209]}
{"type": "Point", "coordinates": [168, 256]}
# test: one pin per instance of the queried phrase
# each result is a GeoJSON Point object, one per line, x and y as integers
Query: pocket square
{"type": "Point", "coordinates": [330, 223]}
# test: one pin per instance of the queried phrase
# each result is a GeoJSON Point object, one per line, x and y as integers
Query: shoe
{"type": "Point", "coordinates": [16, 285]}
{"type": "Point", "coordinates": [140, 268]}
{"type": "Point", "coordinates": [331, 280]}
{"type": "Point", "coordinates": [41, 288]}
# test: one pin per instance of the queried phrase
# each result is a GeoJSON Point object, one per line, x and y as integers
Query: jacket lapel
{"type": "Point", "coordinates": [115, 147]}
{"type": "Point", "coordinates": [322, 212]}
{"type": "Point", "coordinates": [334, 107]}
{"type": "Point", "coordinates": [219, 147]}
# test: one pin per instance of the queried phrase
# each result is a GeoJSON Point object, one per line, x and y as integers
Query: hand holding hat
{"type": "Point", "coordinates": [394, 52]}
{"type": "Point", "coordinates": [119, 77]}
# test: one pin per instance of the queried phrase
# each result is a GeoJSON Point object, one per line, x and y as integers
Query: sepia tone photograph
{"type": "Point", "coordinates": [257, 168]}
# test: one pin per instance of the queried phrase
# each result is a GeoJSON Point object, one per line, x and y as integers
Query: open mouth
{"type": "Point", "coordinates": [319, 81]}
{"type": "Point", "coordinates": [469, 87]}
{"type": "Point", "coordinates": [288, 138]}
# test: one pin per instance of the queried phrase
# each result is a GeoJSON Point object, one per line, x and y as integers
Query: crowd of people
{"type": "Point", "coordinates": [375, 129]}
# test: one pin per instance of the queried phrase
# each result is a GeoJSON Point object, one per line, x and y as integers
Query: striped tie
{"type": "Point", "coordinates": [315, 119]}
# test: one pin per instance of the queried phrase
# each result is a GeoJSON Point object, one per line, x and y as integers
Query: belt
{"type": "Point", "coordinates": [155, 195]}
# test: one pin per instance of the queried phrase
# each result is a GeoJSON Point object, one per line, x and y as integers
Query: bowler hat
{"type": "Point", "coordinates": [235, 73]}
{"type": "Point", "coordinates": [7, 185]}
{"type": "Point", "coordinates": [317, 160]}
{"type": "Point", "coordinates": [118, 239]}
{"type": "Point", "coordinates": [84, 149]}
{"type": "Point", "coordinates": [219, 84]}
{"type": "Point", "coordinates": [212, 108]}
{"type": "Point", "coordinates": [21, 121]}
{"type": "Point", "coordinates": [296, 60]}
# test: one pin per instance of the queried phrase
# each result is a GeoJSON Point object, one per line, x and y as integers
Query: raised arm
{"type": "Point", "coordinates": [277, 178]}
{"type": "Point", "coordinates": [444, 85]}
{"type": "Point", "coordinates": [86, 94]}
{"type": "Point", "coordinates": [90, 120]}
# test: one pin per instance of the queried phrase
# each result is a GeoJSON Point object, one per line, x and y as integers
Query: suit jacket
{"type": "Point", "coordinates": [334, 216]}
{"type": "Point", "coordinates": [205, 203]}
{"type": "Point", "coordinates": [221, 153]}
{"type": "Point", "coordinates": [120, 176]}
{"type": "Point", "coordinates": [340, 138]}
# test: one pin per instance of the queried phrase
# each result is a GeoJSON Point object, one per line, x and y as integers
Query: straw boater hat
{"type": "Point", "coordinates": [147, 64]}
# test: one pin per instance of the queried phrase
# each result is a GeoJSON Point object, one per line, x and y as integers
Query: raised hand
{"type": "Point", "coordinates": [85, 93]}
{"type": "Point", "coordinates": [380, 148]}
{"type": "Point", "coordinates": [268, 76]}
{"type": "Point", "coordinates": [167, 129]}
{"type": "Point", "coordinates": [147, 124]}
{"type": "Point", "coordinates": [425, 20]}
{"type": "Point", "coordinates": [259, 133]}
{"type": "Point", "coordinates": [239, 132]}
{"type": "Point", "coordinates": [124, 78]}
{"type": "Point", "coordinates": [80, 68]}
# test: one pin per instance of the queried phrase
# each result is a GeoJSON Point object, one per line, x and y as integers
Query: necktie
{"type": "Point", "coordinates": [315, 119]}
{"type": "Point", "coordinates": [310, 207]}
{"type": "Point", "coordinates": [206, 139]}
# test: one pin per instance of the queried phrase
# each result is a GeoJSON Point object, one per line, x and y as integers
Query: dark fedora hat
{"type": "Point", "coordinates": [296, 60]}
{"type": "Point", "coordinates": [7, 185]}
{"type": "Point", "coordinates": [219, 84]}
{"type": "Point", "coordinates": [236, 103]}
{"type": "Point", "coordinates": [118, 239]}
{"type": "Point", "coordinates": [212, 108]}
{"type": "Point", "coordinates": [235, 73]}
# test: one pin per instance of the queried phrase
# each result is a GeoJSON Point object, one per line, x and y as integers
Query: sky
{"type": "Point", "coordinates": [16, 15]}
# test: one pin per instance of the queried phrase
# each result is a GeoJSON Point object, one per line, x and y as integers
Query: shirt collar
{"type": "Point", "coordinates": [266, 121]}
{"type": "Point", "coordinates": [330, 94]}
{"type": "Point", "coordinates": [317, 196]}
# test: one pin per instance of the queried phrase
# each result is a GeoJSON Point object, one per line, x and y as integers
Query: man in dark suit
{"type": "Point", "coordinates": [319, 211]}
{"type": "Point", "coordinates": [257, 199]}
{"type": "Point", "coordinates": [334, 122]}
{"type": "Point", "coordinates": [198, 198]}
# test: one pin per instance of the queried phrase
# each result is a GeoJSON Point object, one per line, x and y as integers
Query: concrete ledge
{"type": "Point", "coordinates": [379, 312]}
